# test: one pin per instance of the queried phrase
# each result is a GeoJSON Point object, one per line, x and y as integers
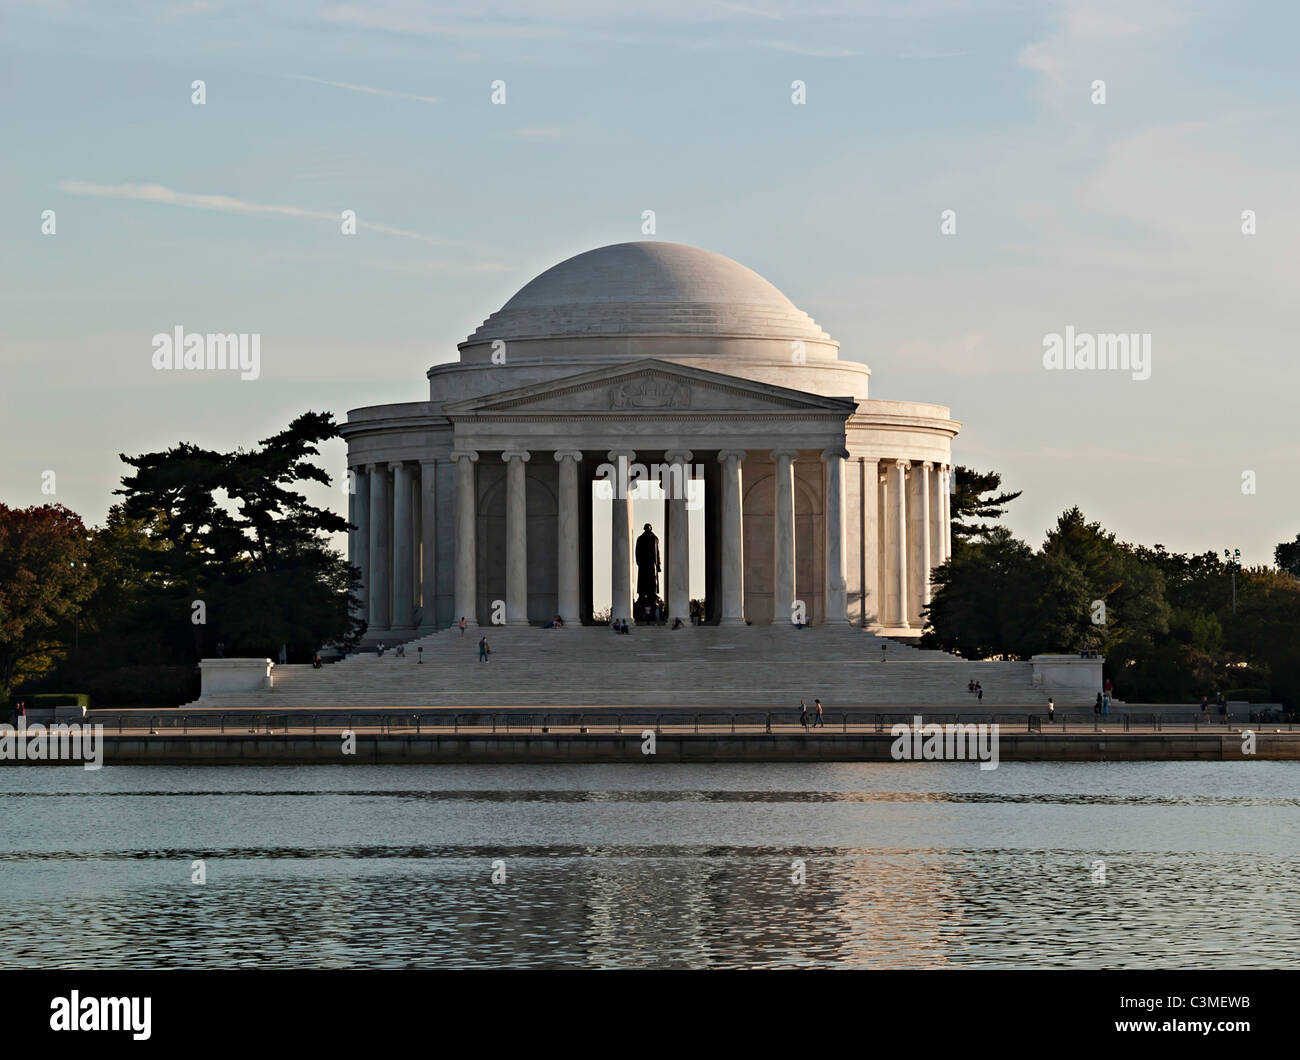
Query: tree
{"type": "Point", "coordinates": [1287, 556]}
{"type": "Point", "coordinates": [976, 596]}
{"type": "Point", "coordinates": [44, 581]}
{"type": "Point", "coordinates": [243, 541]}
{"type": "Point", "coordinates": [976, 496]}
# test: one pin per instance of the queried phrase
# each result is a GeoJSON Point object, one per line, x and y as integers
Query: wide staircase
{"type": "Point", "coordinates": [705, 666]}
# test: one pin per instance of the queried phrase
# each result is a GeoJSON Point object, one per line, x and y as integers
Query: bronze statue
{"type": "Point", "coordinates": [648, 567]}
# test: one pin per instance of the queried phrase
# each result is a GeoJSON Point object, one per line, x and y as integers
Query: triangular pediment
{"type": "Point", "coordinates": [649, 387]}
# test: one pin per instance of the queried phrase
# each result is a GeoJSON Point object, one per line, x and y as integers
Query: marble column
{"type": "Point", "coordinates": [428, 600]}
{"type": "Point", "coordinates": [360, 505]}
{"type": "Point", "coordinates": [870, 544]}
{"type": "Point", "coordinates": [898, 558]}
{"type": "Point", "coordinates": [926, 531]}
{"type": "Point", "coordinates": [883, 526]}
{"type": "Point", "coordinates": [676, 486]}
{"type": "Point", "coordinates": [516, 536]}
{"type": "Point", "coordinates": [381, 553]}
{"type": "Point", "coordinates": [403, 548]}
{"type": "Point", "coordinates": [466, 527]}
{"type": "Point", "coordinates": [783, 583]}
{"type": "Point", "coordinates": [620, 545]}
{"type": "Point", "coordinates": [568, 538]}
{"type": "Point", "coordinates": [837, 597]}
{"type": "Point", "coordinates": [733, 538]}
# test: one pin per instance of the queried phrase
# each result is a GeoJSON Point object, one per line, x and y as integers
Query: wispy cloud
{"type": "Point", "coordinates": [539, 134]}
{"type": "Point", "coordinates": [807, 49]}
{"type": "Point", "coordinates": [369, 90]}
{"type": "Point", "coordinates": [157, 193]}
{"type": "Point", "coordinates": [925, 54]}
{"type": "Point", "coordinates": [435, 23]}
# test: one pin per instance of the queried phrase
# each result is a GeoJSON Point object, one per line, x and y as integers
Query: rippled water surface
{"type": "Point", "coordinates": [1119, 865]}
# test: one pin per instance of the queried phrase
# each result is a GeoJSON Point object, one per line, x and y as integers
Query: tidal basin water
{"type": "Point", "coordinates": [1119, 865]}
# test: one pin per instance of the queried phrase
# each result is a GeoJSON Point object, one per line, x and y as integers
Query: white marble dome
{"type": "Point", "coordinates": [649, 289]}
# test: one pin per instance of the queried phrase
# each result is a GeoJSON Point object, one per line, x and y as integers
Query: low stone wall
{"type": "Point", "coordinates": [485, 748]}
{"type": "Point", "coordinates": [235, 675]}
{"type": "Point", "coordinates": [1068, 673]}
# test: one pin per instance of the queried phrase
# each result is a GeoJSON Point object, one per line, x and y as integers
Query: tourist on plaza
{"type": "Point", "coordinates": [1205, 707]}
{"type": "Point", "coordinates": [1096, 707]}
{"type": "Point", "coordinates": [483, 650]}
{"type": "Point", "coordinates": [803, 714]}
{"type": "Point", "coordinates": [1051, 710]}
{"type": "Point", "coordinates": [462, 625]}
{"type": "Point", "coordinates": [819, 720]}
{"type": "Point", "coordinates": [420, 655]}
{"type": "Point", "coordinates": [315, 663]}
{"type": "Point", "coordinates": [1105, 704]}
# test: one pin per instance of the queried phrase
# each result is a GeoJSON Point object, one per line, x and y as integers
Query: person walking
{"type": "Point", "coordinates": [420, 655]}
{"type": "Point", "coordinates": [1096, 707]}
{"type": "Point", "coordinates": [803, 715]}
{"type": "Point", "coordinates": [1205, 708]}
{"type": "Point", "coordinates": [979, 692]}
{"type": "Point", "coordinates": [483, 650]}
{"type": "Point", "coordinates": [1051, 711]}
{"type": "Point", "coordinates": [819, 720]}
{"type": "Point", "coordinates": [1105, 704]}
{"type": "Point", "coordinates": [462, 625]}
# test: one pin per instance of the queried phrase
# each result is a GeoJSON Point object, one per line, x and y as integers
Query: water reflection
{"type": "Point", "coordinates": [679, 869]}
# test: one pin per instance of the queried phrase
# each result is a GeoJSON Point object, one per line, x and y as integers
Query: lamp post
{"type": "Point", "coordinates": [1233, 558]}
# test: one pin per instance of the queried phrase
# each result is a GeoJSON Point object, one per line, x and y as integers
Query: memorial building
{"type": "Point", "coordinates": [819, 502]}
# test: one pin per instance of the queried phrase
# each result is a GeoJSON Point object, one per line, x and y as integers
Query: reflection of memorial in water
{"type": "Point", "coordinates": [895, 908]}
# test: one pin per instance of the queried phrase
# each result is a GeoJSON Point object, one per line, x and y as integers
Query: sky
{"type": "Point", "coordinates": [1122, 216]}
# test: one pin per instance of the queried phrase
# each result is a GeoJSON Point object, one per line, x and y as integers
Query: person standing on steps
{"type": "Point", "coordinates": [803, 715]}
{"type": "Point", "coordinates": [483, 650]}
{"type": "Point", "coordinates": [883, 648]}
{"type": "Point", "coordinates": [462, 625]}
{"type": "Point", "coordinates": [1051, 710]}
{"type": "Point", "coordinates": [819, 720]}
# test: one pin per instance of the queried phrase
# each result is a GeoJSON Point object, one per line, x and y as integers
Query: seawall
{"type": "Point", "coordinates": [515, 748]}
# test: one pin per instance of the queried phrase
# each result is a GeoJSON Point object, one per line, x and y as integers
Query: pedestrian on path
{"type": "Point", "coordinates": [1051, 710]}
{"type": "Point", "coordinates": [1096, 707]}
{"type": "Point", "coordinates": [819, 720]}
{"type": "Point", "coordinates": [483, 650]}
{"type": "Point", "coordinates": [803, 715]}
{"type": "Point", "coordinates": [462, 625]}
